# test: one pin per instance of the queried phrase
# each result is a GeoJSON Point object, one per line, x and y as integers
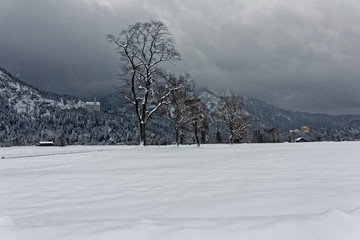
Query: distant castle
{"type": "Point", "coordinates": [93, 106]}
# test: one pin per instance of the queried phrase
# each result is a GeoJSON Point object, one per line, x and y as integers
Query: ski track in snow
{"type": "Point", "coordinates": [249, 191]}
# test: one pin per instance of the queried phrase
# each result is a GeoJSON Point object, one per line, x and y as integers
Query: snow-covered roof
{"type": "Point", "coordinates": [46, 142]}
{"type": "Point", "coordinates": [301, 139]}
{"type": "Point", "coordinates": [93, 103]}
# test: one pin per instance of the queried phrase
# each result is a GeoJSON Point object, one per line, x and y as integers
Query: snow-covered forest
{"type": "Point", "coordinates": [29, 115]}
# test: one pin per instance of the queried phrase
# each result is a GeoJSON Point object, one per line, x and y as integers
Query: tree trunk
{"type": "Point", "coordinates": [196, 134]}
{"type": "Point", "coordinates": [142, 134]}
{"type": "Point", "coordinates": [177, 137]}
{"type": "Point", "coordinates": [231, 139]}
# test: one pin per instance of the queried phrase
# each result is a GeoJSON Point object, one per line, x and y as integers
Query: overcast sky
{"type": "Point", "coordinates": [295, 54]}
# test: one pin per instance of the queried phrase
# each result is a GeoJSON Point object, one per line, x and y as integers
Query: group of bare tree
{"type": "Point", "coordinates": [230, 112]}
{"type": "Point", "coordinates": [183, 109]}
{"type": "Point", "coordinates": [144, 48]}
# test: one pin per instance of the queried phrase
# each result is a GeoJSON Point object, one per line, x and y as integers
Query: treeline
{"type": "Point", "coordinates": [351, 132]}
{"type": "Point", "coordinates": [63, 127]}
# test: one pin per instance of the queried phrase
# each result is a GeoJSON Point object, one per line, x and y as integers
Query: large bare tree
{"type": "Point", "coordinates": [143, 48]}
{"type": "Point", "coordinates": [230, 112]}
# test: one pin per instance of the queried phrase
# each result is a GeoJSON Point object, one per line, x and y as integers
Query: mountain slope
{"type": "Point", "coordinates": [266, 116]}
{"type": "Point", "coordinates": [25, 98]}
{"type": "Point", "coordinates": [29, 115]}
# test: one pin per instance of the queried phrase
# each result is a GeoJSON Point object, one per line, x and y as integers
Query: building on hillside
{"type": "Point", "coordinates": [93, 106]}
{"type": "Point", "coordinates": [305, 129]}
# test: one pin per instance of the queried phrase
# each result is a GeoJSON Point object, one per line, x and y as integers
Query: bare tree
{"type": "Point", "coordinates": [230, 112]}
{"type": "Point", "coordinates": [143, 47]}
{"type": "Point", "coordinates": [198, 116]}
{"type": "Point", "coordinates": [176, 109]}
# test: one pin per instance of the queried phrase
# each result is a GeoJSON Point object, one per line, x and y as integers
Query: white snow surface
{"type": "Point", "coordinates": [249, 192]}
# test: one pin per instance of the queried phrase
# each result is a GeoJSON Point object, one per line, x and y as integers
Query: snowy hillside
{"type": "Point", "coordinates": [247, 192]}
{"type": "Point", "coordinates": [26, 99]}
{"type": "Point", "coordinates": [263, 115]}
{"type": "Point", "coordinates": [29, 115]}
{"type": "Point", "coordinates": [266, 116]}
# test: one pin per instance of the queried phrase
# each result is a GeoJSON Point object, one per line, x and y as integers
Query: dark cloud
{"type": "Point", "coordinates": [60, 45]}
{"type": "Point", "coordinates": [300, 54]}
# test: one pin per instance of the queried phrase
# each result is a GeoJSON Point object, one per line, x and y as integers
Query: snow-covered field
{"type": "Point", "coordinates": [248, 192]}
